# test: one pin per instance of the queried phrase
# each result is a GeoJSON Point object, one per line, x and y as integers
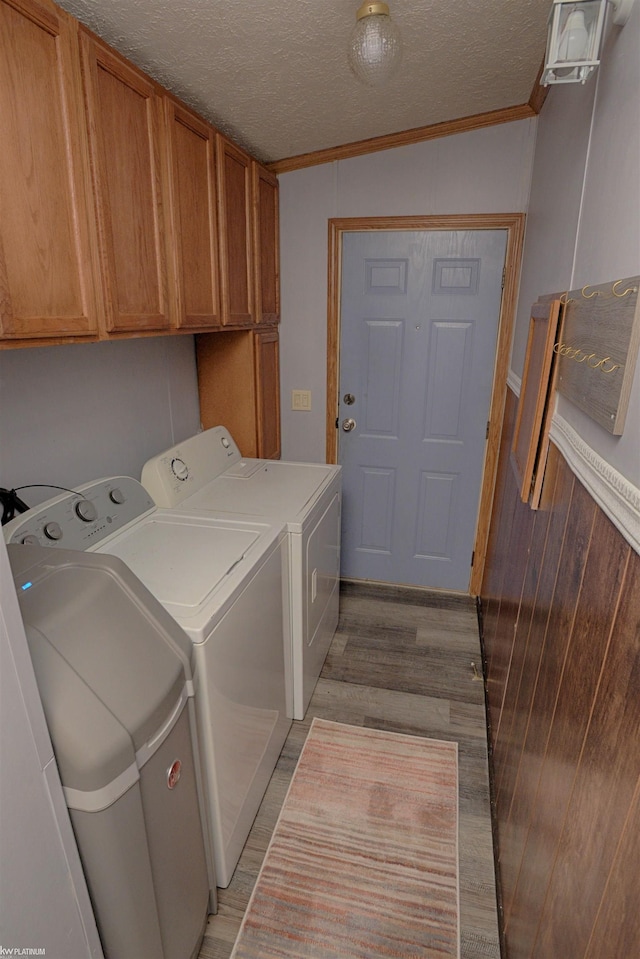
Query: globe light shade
{"type": "Point", "coordinates": [375, 46]}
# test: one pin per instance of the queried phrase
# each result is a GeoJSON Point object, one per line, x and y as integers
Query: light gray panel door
{"type": "Point", "coordinates": [419, 324]}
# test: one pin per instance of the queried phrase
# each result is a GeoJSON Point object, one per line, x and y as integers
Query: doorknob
{"type": "Point", "coordinates": [348, 425]}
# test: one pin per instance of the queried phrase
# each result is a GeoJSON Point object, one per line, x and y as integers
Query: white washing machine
{"type": "Point", "coordinates": [207, 472]}
{"type": "Point", "coordinates": [225, 581]}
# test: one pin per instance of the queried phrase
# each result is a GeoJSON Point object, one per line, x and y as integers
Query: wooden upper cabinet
{"type": "Point", "coordinates": [124, 111]}
{"type": "Point", "coordinates": [236, 254]}
{"type": "Point", "coordinates": [266, 245]}
{"type": "Point", "coordinates": [121, 210]}
{"type": "Point", "coordinates": [48, 269]}
{"type": "Point", "coordinates": [193, 215]}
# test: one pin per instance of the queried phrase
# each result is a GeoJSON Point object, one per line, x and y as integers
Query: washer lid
{"type": "Point", "coordinates": [183, 560]}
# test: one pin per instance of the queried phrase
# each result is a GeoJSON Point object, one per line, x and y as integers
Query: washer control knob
{"type": "Point", "coordinates": [30, 540]}
{"type": "Point", "coordinates": [53, 531]}
{"type": "Point", "coordinates": [117, 496]}
{"type": "Point", "coordinates": [86, 511]}
{"type": "Point", "coordinates": [225, 442]}
{"type": "Point", "coordinates": [179, 468]}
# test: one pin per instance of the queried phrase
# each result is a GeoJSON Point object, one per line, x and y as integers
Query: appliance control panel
{"type": "Point", "coordinates": [179, 472]}
{"type": "Point", "coordinates": [84, 518]}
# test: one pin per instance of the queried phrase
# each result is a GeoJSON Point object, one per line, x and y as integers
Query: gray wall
{"type": "Point", "coordinates": [583, 225]}
{"type": "Point", "coordinates": [70, 414]}
{"type": "Point", "coordinates": [486, 171]}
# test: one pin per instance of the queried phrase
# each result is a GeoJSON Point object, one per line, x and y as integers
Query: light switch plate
{"type": "Point", "coordinates": [300, 399]}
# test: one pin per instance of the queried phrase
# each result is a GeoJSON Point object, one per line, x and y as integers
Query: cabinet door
{"type": "Point", "coordinates": [124, 109]}
{"type": "Point", "coordinates": [268, 393]}
{"type": "Point", "coordinates": [226, 385]}
{"type": "Point", "coordinates": [194, 222]}
{"type": "Point", "coordinates": [266, 244]}
{"type": "Point", "coordinates": [235, 203]}
{"type": "Point", "coordinates": [239, 387]}
{"type": "Point", "coordinates": [48, 272]}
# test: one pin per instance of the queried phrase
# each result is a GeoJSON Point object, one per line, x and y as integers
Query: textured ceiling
{"type": "Point", "coordinates": [274, 76]}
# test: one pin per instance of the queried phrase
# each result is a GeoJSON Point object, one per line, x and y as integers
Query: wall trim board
{"type": "Point", "coordinates": [618, 498]}
{"type": "Point", "coordinates": [538, 93]}
{"type": "Point", "coordinates": [514, 382]}
{"type": "Point", "coordinates": [478, 121]}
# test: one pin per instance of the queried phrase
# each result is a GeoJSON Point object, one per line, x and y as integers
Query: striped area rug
{"type": "Point", "coordinates": [364, 857]}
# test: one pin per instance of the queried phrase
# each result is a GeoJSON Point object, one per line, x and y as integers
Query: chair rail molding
{"type": "Point", "coordinates": [514, 382]}
{"type": "Point", "coordinates": [614, 493]}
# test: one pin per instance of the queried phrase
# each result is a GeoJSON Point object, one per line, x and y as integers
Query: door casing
{"type": "Point", "coordinates": [514, 224]}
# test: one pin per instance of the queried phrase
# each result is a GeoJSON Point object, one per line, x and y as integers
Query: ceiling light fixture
{"type": "Point", "coordinates": [574, 38]}
{"type": "Point", "coordinates": [375, 46]}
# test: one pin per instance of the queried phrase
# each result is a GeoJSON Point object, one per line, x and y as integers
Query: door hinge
{"type": "Point", "coordinates": [486, 435]}
{"type": "Point", "coordinates": [504, 277]}
{"type": "Point", "coordinates": [473, 556]}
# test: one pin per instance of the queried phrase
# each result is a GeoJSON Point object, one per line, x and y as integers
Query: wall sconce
{"type": "Point", "coordinates": [574, 38]}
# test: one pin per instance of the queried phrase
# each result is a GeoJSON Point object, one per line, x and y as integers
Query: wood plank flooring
{"type": "Point", "coordinates": [401, 660]}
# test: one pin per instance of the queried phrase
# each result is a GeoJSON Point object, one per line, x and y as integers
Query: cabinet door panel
{"type": "Point", "coordinates": [47, 233]}
{"type": "Point", "coordinates": [268, 393]}
{"type": "Point", "coordinates": [226, 385]}
{"type": "Point", "coordinates": [266, 245]}
{"type": "Point", "coordinates": [125, 117]}
{"type": "Point", "coordinates": [194, 217]}
{"type": "Point", "coordinates": [234, 171]}
{"type": "Point", "coordinates": [239, 387]}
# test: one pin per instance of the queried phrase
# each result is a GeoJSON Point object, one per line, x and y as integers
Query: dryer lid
{"type": "Point", "coordinates": [285, 491]}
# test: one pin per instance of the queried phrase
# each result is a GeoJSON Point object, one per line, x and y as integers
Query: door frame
{"type": "Point", "coordinates": [514, 224]}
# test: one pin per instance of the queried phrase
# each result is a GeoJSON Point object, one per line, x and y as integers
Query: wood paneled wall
{"type": "Point", "coordinates": [561, 630]}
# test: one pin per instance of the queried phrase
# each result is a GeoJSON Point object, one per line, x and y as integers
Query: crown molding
{"type": "Point", "coordinates": [538, 93]}
{"type": "Point", "coordinates": [478, 121]}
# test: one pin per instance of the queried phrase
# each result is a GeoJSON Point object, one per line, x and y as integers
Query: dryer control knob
{"type": "Point", "coordinates": [53, 531]}
{"type": "Point", "coordinates": [117, 496]}
{"type": "Point", "coordinates": [30, 540]}
{"type": "Point", "coordinates": [86, 511]}
{"type": "Point", "coordinates": [179, 468]}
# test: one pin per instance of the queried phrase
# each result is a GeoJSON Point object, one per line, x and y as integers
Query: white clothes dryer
{"type": "Point", "coordinates": [208, 473]}
{"type": "Point", "coordinates": [224, 579]}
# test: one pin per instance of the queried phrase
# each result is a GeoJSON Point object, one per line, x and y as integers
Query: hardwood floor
{"type": "Point", "coordinates": [401, 660]}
